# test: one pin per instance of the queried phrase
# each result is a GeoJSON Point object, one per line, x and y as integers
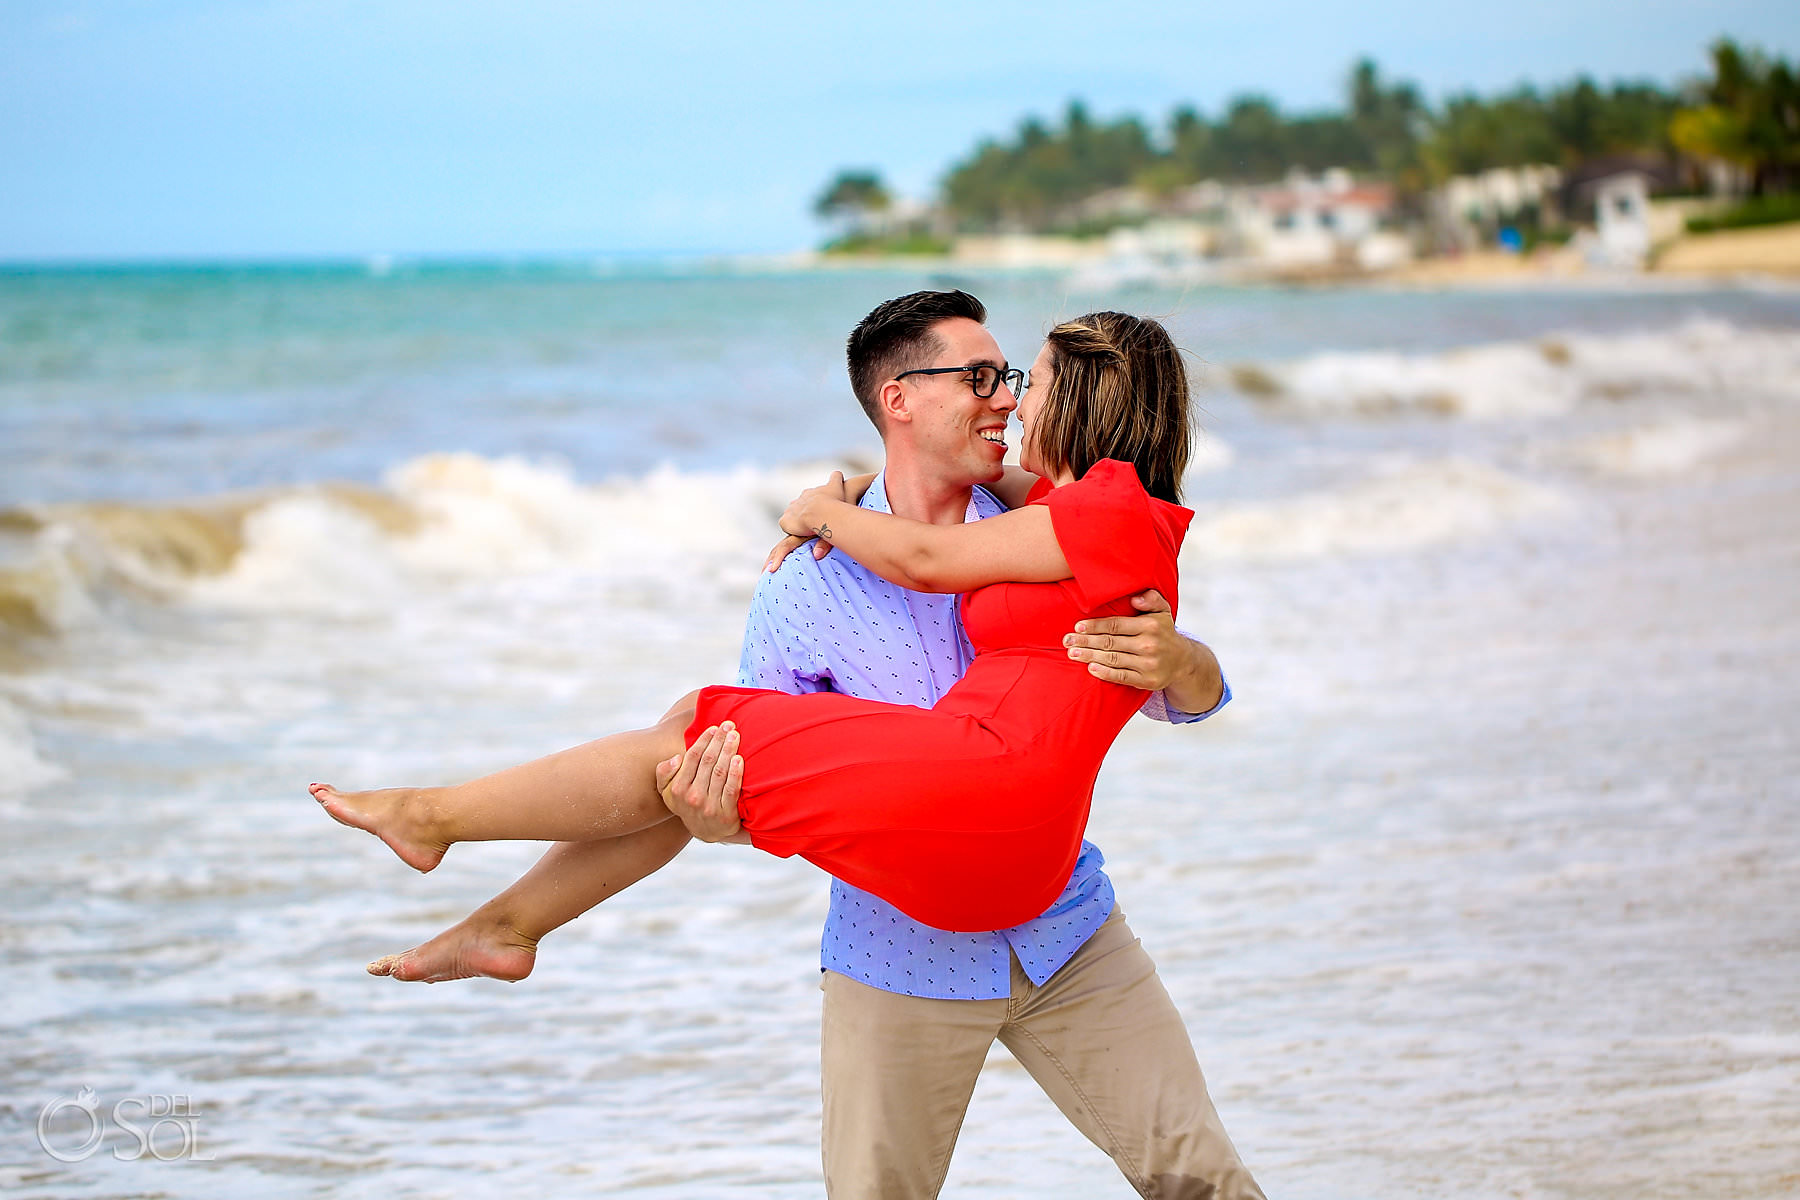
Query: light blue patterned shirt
{"type": "Point", "coordinates": [831, 625]}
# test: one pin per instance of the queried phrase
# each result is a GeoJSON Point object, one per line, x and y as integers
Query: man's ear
{"type": "Point", "coordinates": [893, 404]}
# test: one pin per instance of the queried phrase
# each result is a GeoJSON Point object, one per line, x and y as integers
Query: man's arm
{"type": "Point", "coordinates": [701, 785]}
{"type": "Point", "coordinates": [1148, 652]}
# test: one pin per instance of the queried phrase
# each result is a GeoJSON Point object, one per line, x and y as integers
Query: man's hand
{"type": "Point", "coordinates": [701, 785]}
{"type": "Point", "coordinates": [1146, 652]}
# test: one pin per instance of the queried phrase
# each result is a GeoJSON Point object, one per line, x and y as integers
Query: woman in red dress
{"type": "Point", "coordinates": [967, 815]}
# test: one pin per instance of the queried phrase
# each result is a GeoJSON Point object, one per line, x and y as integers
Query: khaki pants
{"type": "Point", "coordinates": [1101, 1037]}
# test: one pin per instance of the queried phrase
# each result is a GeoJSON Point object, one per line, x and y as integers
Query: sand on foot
{"type": "Point", "coordinates": [391, 814]}
{"type": "Point", "coordinates": [473, 948]}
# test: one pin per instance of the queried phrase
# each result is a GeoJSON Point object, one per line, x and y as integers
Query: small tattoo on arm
{"type": "Point", "coordinates": [824, 531]}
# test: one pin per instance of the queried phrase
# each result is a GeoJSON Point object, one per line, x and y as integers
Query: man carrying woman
{"type": "Point", "coordinates": [910, 1009]}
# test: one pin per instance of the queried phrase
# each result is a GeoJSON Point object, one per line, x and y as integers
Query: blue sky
{"type": "Point", "coordinates": [277, 128]}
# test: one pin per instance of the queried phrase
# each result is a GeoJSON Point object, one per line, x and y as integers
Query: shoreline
{"type": "Point", "coordinates": [1759, 256]}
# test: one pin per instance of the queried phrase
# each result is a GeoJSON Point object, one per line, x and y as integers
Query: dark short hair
{"type": "Point", "coordinates": [897, 337]}
{"type": "Point", "coordinates": [1120, 390]}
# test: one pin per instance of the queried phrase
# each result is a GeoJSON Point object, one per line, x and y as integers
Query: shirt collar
{"type": "Point", "coordinates": [876, 498]}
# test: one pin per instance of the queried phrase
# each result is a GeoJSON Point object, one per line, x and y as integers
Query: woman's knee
{"type": "Point", "coordinates": [681, 713]}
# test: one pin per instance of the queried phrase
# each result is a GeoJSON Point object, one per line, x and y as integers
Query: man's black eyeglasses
{"type": "Point", "coordinates": [983, 377]}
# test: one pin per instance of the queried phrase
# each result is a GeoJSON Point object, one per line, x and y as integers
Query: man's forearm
{"type": "Point", "coordinates": [1199, 685]}
{"type": "Point", "coordinates": [1147, 652]}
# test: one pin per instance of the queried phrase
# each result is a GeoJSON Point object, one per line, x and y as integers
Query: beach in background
{"type": "Point", "coordinates": [1483, 886]}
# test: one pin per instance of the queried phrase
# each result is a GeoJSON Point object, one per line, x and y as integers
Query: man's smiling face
{"type": "Point", "coordinates": [960, 434]}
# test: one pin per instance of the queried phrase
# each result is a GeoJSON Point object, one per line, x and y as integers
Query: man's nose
{"type": "Point", "coordinates": [1003, 399]}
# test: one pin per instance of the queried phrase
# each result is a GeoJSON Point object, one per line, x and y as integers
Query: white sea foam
{"type": "Point", "coordinates": [1542, 378]}
{"type": "Point", "coordinates": [441, 519]}
{"type": "Point", "coordinates": [1211, 453]}
{"type": "Point", "coordinates": [450, 522]}
{"type": "Point", "coordinates": [48, 591]}
{"type": "Point", "coordinates": [486, 516]}
{"type": "Point", "coordinates": [21, 767]}
{"type": "Point", "coordinates": [1666, 448]}
{"type": "Point", "coordinates": [1485, 382]}
{"type": "Point", "coordinates": [307, 552]}
{"type": "Point", "coordinates": [77, 566]}
{"type": "Point", "coordinates": [1408, 504]}
{"type": "Point", "coordinates": [471, 519]}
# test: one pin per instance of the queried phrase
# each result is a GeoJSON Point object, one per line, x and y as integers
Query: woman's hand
{"type": "Point", "coordinates": [796, 524]}
{"type": "Point", "coordinates": [801, 519]}
{"type": "Point", "coordinates": [787, 545]}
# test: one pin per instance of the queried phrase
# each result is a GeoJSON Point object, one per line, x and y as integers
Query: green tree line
{"type": "Point", "coordinates": [1747, 114]}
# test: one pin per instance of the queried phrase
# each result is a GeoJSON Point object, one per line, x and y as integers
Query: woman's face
{"type": "Point", "coordinates": [1029, 406]}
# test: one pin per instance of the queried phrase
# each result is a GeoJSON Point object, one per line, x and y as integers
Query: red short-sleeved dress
{"type": "Point", "coordinates": [967, 815]}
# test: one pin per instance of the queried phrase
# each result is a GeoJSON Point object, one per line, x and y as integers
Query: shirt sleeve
{"type": "Point", "coordinates": [1156, 706]}
{"type": "Point", "coordinates": [778, 645]}
{"type": "Point", "coordinates": [1107, 532]}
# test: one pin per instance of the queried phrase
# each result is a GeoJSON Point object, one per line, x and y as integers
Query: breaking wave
{"type": "Point", "coordinates": [70, 566]}
{"type": "Point", "coordinates": [1535, 379]}
{"type": "Point", "coordinates": [438, 521]}
{"type": "Point", "coordinates": [1667, 448]}
{"type": "Point", "coordinates": [20, 767]}
{"type": "Point", "coordinates": [1407, 505]}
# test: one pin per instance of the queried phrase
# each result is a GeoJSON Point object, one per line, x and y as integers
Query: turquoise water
{"type": "Point", "coordinates": [1483, 885]}
{"type": "Point", "coordinates": [169, 384]}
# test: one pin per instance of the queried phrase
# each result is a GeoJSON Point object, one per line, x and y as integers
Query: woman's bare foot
{"type": "Point", "coordinates": [398, 816]}
{"type": "Point", "coordinates": [476, 946]}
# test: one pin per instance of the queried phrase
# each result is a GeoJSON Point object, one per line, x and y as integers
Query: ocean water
{"type": "Point", "coordinates": [1484, 886]}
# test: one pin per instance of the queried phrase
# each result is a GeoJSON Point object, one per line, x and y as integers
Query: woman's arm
{"type": "Point", "coordinates": [855, 488]}
{"type": "Point", "coordinates": [1019, 545]}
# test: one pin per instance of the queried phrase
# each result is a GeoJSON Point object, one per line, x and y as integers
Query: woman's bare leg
{"type": "Point", "coordinates": [602, 789]}
{"type": "Point", "coordinates": [500, 939]}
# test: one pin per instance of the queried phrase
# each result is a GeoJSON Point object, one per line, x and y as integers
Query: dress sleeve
{"type": "Point", "coordinates": [1107, 530]}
